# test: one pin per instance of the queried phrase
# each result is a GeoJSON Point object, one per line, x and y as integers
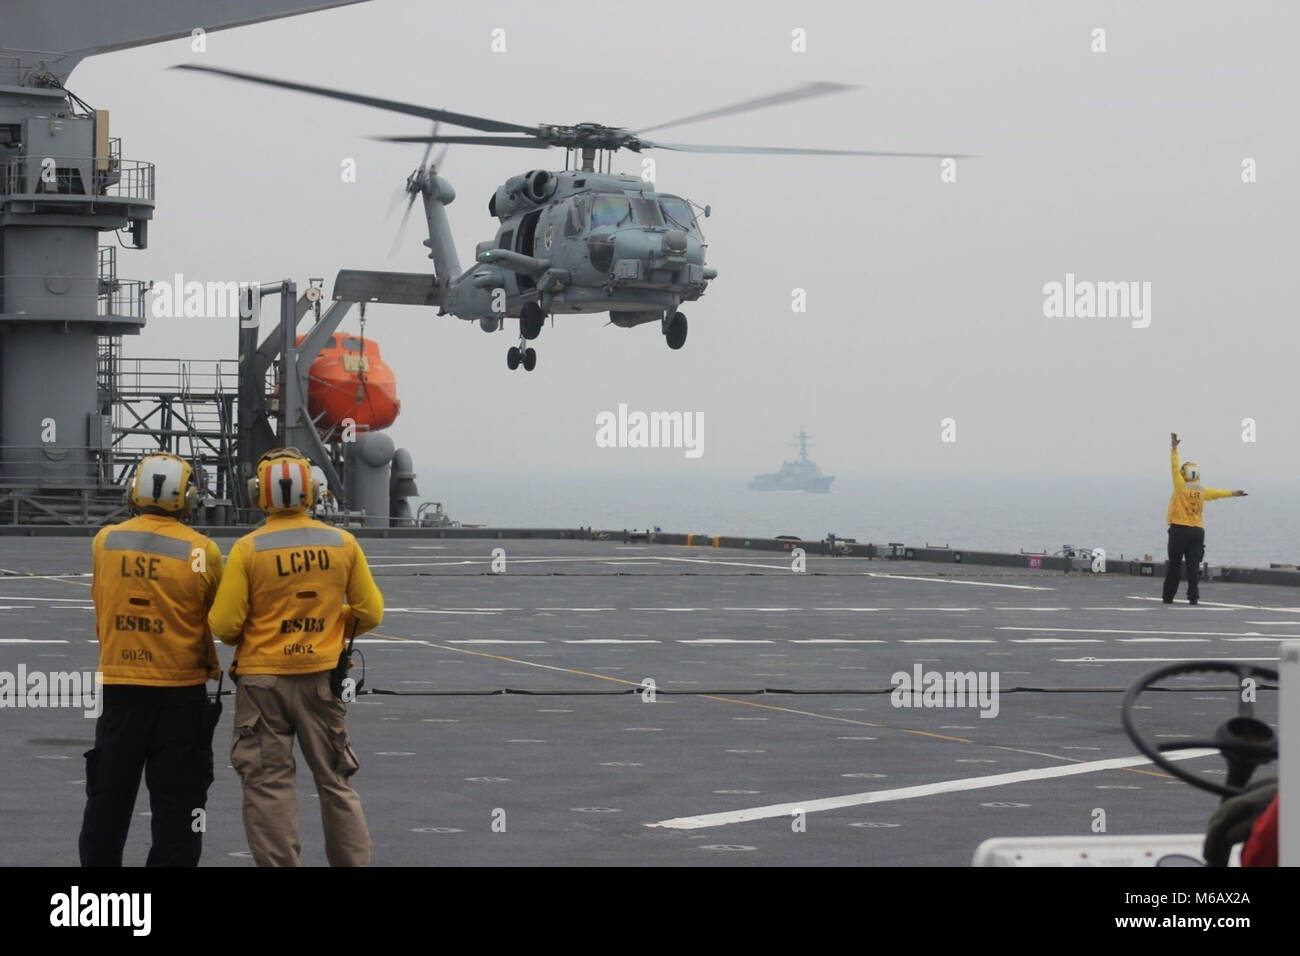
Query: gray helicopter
{"type": "Point", "coordinates": [584, 240]}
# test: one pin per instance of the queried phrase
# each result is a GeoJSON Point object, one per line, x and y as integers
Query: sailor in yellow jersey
{"type": "Point", "coordinates": [154, 579]}
{"type": "Point", "coordinates": [1186, 530]}
{"type": "Point", "coordinates": [281, 605]}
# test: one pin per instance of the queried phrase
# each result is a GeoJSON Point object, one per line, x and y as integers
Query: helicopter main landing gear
{"type": "Point", "coordinates": [520, 355]}
{"type": "Point", "coordinates": [531, 320]}
{"type": "Point", "coordinates": [675, 330]}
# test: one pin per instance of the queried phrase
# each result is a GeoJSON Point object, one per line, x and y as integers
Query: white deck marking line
{"type": "Point", "coordinates": [980, 584]}
{"type": "Point", "coordinates": [14, 597]}
{"type": "Point", "coordinates": [1105, 630]}
{"type": "Point", "coordinates": [487, 559]}
{"type": "Point", "coordinates": [1156, 660]}
{"type": "Point", "coordinates": [724, 640]}
{"type": "Point", "coordinates": [907, 793]}
{"type": "Point", "coordinates": [612, 640]}
{"type": "Point", "coordinates": [1217, 605]}
{"type": "Point", "coordinates": [20, 575]}
{"type": "Point", "coordinates": [493, 640]}
{"type": "Point", "coordinates": [1057, 640]}
{"type": "Point", "coordinates": [778, 564]}
{"type": "Point", "coordinates": [835, 640]}
{"type": "Point", "coordinates": [1027, 607]}
{"type": "Point", "coordinates": [425, 610]}
{"type": "Point", "coordinates": [670, 609]}
{"type": "Point", "coordinates": [29, 640]}
{"type": "Point", "coordinates": [1164, 640]}
{"type": "Point", "coordinates": [947, 640]}
{"type": "Point", "coordinates": [761, 609]}
{"type": "Point", "coordinates": [575, 609]}
{"type": "Point", "coordinates": [853, 609]}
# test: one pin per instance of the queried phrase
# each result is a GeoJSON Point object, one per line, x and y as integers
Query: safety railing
{"type": "Point", "coordinates": [78, 296]}
{"type": "Point", "coordinates": [150, 376]}
{"type": "Point", "coordinates": [34, 176]}
{"type": "Point", "coordinates": [67, 468]}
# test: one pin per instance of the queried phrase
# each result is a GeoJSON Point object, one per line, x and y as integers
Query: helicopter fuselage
{"type": "Point", "coordinates": [579, 242]}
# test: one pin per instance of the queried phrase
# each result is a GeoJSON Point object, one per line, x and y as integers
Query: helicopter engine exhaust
{"type": "Point", "coordinates": [540, 185]}
{"type": "Point", "coordinates": [525, 191]}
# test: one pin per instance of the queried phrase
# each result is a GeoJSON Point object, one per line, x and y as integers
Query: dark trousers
{"type": "Point", "coordinates": [1186, 546]}
{"type": "Point", "coordinates": [163, 732]}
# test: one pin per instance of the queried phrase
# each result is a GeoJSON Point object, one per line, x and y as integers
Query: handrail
{"type": "Point", "coordinates": [25, 176]}
{"type": "Point", "coordinates": [93, 294]}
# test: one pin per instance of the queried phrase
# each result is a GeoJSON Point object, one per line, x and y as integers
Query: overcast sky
{"type": "Point", "coordinates": [925, 299]}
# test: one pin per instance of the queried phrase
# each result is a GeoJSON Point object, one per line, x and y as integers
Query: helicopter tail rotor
{"type": "Point", "coordinates": [415, 184]}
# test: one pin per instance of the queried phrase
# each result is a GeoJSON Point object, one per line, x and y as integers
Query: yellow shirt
{"type": "Point", "coordinates": [281, 598]}
{"type": "Point", "coordinates": [1189, 497]}
{"type": "Point", "coordinates": [154, 580]}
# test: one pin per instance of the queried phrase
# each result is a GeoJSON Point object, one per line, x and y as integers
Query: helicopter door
{"type": "Point", "coordinates": [527, 237]}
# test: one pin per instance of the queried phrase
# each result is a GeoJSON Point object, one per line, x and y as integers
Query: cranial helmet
{"type": "Point", "coordinates": [283, 481]}
{"type": "Point", "coordinates": [163, 482]}
{"type": "Point", "coordinates": [1191, 471]}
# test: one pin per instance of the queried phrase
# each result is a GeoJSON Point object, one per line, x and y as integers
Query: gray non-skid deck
{"type": "Point", "coordinates": [770, 691]}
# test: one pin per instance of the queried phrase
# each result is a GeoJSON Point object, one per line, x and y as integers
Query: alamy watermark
{"type": "Point", "coordinates": [1085, 299]}
{"type": "Point", "coordinates": [52, 689]}
{"type": "Point", "coordinates": [946, 689]}
{"type": "Point", "coordinates": [180, 299]}
{"type": "Point", "coordinates": [624, 429]}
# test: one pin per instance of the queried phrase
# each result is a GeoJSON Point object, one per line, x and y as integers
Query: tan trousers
{"type": "Point", "coordinates": [270, 710]}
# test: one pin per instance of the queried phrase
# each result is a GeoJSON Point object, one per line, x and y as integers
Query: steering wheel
{"type": "Point", "coordinates": [1245, 741]}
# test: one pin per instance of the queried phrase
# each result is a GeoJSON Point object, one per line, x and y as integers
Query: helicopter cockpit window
{"type": "Point", "coordinates": [678, 214]}
{"type": "Point", "coordinates": [647, 212]}
{"type": "Point", "coordinates": [610, 209]}
{"type": "Point", "coordinates": [573, 223]}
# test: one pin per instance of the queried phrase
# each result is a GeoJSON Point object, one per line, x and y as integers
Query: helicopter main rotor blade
{"type": "Point", "coordinates": [794, 94]}
{"type": "Point", "coordinates": [794, 151]}
{"type": "Point", "coordinates": [528, 142]}
{"type": "Point", "coordinates": [411, 109]}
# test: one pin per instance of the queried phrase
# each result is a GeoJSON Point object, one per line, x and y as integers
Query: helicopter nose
{"type": "Point", "coordinates": [674, 242]}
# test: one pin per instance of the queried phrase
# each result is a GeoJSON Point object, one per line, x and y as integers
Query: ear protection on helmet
{"type": "Point", "coordinates": [164, 482]}
{"type": "Point", "coordinates": [283, 481]}
{"type": "Point", "coordinates": [1191, 472]}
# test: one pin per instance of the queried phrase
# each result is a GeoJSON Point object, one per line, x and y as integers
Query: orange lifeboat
{"type": "Point", "coordinates": [348, 379]}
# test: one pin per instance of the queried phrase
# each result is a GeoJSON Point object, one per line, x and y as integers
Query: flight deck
{"type": "Point", "coordinates": [599, 702]}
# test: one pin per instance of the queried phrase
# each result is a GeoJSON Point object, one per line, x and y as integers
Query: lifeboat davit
{"type": "Point", "coordinates": [348, 379]}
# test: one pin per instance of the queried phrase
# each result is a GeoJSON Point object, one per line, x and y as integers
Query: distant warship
{"type": "Point", "coordinates": [798, 475]}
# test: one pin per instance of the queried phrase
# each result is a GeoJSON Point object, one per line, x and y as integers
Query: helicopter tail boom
{"type": "Point", "coordinates": [438, 193]}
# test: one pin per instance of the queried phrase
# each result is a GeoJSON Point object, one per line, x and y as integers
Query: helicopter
{"type": "Point", "coordinates": [581, 240]}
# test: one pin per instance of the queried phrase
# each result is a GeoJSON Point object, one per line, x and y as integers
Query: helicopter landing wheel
{"type": "Point", "coordinates": [513, 358]}
{"type": "Point", "coordinates": [530, 359]}
{"type": "Point", "coordinates": [531, 320]}
{"type": "Point", "coordinates": [675, 331]}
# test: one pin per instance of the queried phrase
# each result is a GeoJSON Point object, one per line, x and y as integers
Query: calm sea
{"type": "Point", "coordinates": [1126, 517]}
